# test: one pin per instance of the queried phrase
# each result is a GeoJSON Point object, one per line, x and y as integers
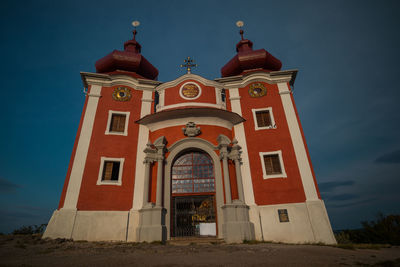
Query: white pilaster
{"type": "Point", "coordinates": [140, 154]}
{"type": "Point", "coordinates": [78, 166]}
{"type": "Point", "coordinates": [241, 137]}
{"type": "Point", "coordinates": [298, 144]}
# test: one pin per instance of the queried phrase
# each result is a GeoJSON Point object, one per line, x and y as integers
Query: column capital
{"type": "Point", "coordinates": [223, 141]}
{"type": "Point", "coordinates": [160, 144]}
{"type": "Point", "coordinates": [151, 153]}
{"type": "Point", "coordinates": [223, 144]}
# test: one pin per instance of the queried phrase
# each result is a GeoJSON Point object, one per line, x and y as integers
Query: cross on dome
{"type": "Point", "coordinates": [189, 64]}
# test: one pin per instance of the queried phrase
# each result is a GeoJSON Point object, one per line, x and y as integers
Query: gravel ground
{"type": "Point", "coordinates": [33, 251]}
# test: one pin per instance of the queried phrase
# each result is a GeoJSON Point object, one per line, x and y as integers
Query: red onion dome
{"type": "Point", "coordinates": [248, 59]}
{"type": "Point", "coordinates": [129, 60]}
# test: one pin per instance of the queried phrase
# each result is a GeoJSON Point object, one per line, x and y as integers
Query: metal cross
{"type": "Point", "coordinates": [188, 64]}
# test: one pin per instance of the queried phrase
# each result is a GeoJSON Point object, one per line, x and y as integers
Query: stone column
{"type": "Point", "coordinates": [147, 166]}
{"type": "Point", "coordinates": [235, 156]}
{"type": "Point", "coordinates": [236, 226]}
{"type": "Point", "coordinates": [223, 155]}
{"type": "Point", "coordinates": [152, 218]}
{"type": "Point", "coordinates": [160, 145]}
{"type": "Point", "coordinates": [148, 160]}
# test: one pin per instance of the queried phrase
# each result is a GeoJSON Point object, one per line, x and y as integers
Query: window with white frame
{"type": "Point", "coordinates": [272, 164]}
{"type": "Point", "coordinates": [263, 118]}
{"type": "Point", "coordinates": [110, 171]}
{"type": "Point", "coordinates": [117, 122]}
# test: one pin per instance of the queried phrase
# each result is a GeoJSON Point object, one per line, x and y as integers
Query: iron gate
{"type": "Point", "coordinates": [190, 213]}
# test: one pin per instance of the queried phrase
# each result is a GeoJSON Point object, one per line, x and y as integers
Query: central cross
{"type": "Point", "coordinates": [188, 64]}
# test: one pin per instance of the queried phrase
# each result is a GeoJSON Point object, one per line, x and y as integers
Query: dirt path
{"type": "Point", "coordinates": [32, 251]}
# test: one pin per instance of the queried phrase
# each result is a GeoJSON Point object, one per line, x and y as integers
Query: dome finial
{"type": "Point", "coordinates": [240, 24]}
{"type": "Point", "coordinates": [135, 24]}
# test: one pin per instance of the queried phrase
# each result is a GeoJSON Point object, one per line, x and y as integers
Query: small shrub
{"type": "Point", "coordinates": [385, 230]}
{"type": "Point", "coordinates": [342, 238]}
{"type": "Point", "coordinates": [30, 230]}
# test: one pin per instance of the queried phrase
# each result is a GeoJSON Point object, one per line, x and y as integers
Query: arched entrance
{"type": "Point", "coordinates": [193, 205]}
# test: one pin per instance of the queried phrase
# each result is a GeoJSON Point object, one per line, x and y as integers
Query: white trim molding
{"type": "Point", "coordinates": [112, 112]}
{"type": "Point", "coordinates": [190, 104]}
{"type": "Point", "coordinates": [190, 98]}
{"type": "Point", "coordinates": [143, 137]}
{"type": "Point", "coordinates": [268, 176]}
{"type": "Point", "coordinates": [272, 77]}
{"type": "Point", "coordinates": [78, 165]}
{"type": "Point", "coordinates": [197, 120]}
{"type": "Point", "coordinates": [271, 115]}
{"type": "Point", "coordinates": [240, 135]}
{"type": "Point", "coordinates": [121, 167]}
{"type": "Point", "coordinates": [298, 144]}
{"type": "Point", "coordinates": [107, 80]}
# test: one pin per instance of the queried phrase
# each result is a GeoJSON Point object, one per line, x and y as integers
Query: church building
{"type": "Point", "coordinates": [190, 157]}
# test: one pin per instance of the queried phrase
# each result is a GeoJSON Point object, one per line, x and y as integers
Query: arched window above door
{"type": "Point", "coordinates": [193, 172]}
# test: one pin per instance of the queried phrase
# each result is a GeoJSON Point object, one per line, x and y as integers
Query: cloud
{"type": "Point", "coordinates": [330, 186]}
{"type": "Point", "coordinates": [342, 197]}
{"type": "Point", "coordinates": [391, 157]}
{"type": "Point", "coordinates": [349, 204]}
{"type": "Point", "coordinates": [7, 186]}
{"type": "Point", "coordinates": [31, 208]}
{"type": "Point", "coordinates": [17, 214]}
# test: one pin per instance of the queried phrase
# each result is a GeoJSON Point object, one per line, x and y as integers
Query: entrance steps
{"type": "Point", "coordinates": [185, 241]}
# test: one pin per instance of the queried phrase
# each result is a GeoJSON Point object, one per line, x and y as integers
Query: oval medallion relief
{"type": "Point", "coordinates": [190, 91]}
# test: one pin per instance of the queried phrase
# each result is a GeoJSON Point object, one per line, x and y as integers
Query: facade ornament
{"type": "Point", "coordinates": [160, 145]}
{"type": "Point", "coordinates": [191, 130]}
{"type": "Point", "coordinates": [223, 145]}
{"type": "Point", "coordinates": [234, 155]}
{"type": "Point", "coordinates": [151, 153]}
{"type": "Point", "coordinates": [236, 151]}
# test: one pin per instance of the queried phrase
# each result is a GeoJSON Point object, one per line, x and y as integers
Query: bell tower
{"type": "Point", "coordinates": [97, 198]}
{"type": "Point", "coordinates": [279, 181]}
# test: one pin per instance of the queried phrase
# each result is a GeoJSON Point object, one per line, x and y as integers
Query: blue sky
{"type": "Point", "coordinates": [346, 91]}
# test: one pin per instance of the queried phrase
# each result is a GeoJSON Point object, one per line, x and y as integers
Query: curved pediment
{"type": "Point", "coordinates": [188, 77]}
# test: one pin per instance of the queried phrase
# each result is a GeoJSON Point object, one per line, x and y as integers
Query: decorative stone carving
{"type": "Point", "coordinates": [122, 94]}
{"type": "Point", "coordinates": [191, 130]}
{"type": "Point", "coordinates": [236, 151]}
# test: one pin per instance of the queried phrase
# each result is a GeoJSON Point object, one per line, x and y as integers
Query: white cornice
{"type": "Point", "coordinates": [190, 76]}
{"type": "Point", "coordinates": [89, 78]}
{"type": "Point", "coordinates": [166, 115]}
{"type": "Point", "coordinates": [273, 77]}
{"type": "Point", "coordinates": [269, 77]}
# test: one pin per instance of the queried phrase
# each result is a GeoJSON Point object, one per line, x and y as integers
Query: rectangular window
{"type": "Point", "coordinates": [272, 164]}
{"type": "Point", "coordinates": [117, 123]}
{"type": "Point", "coordinates": [263, 118]}
{"type": "Point", "coordinates": [110, 171]}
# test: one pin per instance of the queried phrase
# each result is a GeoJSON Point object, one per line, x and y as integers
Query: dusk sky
{"type": "Point", "coordinates": [346, 91]}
